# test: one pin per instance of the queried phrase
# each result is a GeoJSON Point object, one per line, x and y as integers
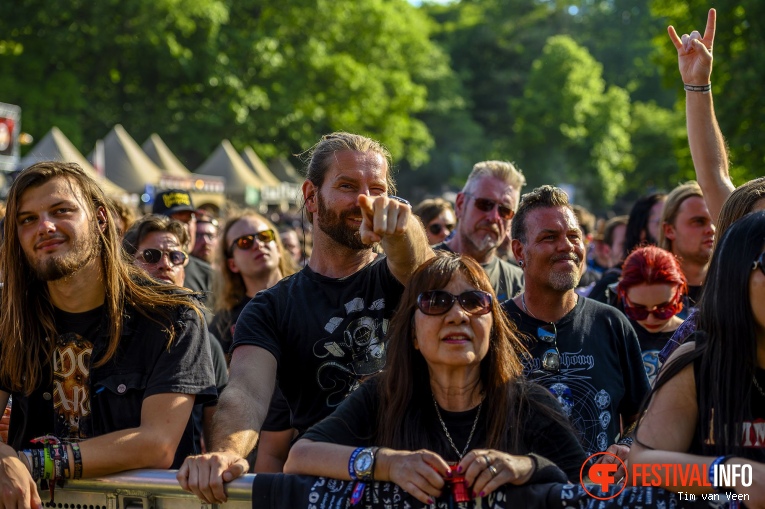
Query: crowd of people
{"type": "Point", "coordinates": [499, 339]}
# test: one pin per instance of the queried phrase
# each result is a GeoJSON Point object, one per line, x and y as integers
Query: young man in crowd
{"type": "Point", "coordinates": [484, 209]}
{"type": "Point", "coordinates": [206, 239]}
{"type": "Point", "coordinates": [95, 354]}
{"type": "Point", "coordinates": [585, 352]}
{"type": "Point", "coordinates": [322, 330]}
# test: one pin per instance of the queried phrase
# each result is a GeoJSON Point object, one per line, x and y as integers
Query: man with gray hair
{"type": "Point", "coordinates": [484, 210]}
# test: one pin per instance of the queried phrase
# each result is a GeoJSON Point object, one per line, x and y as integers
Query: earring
{"type": "Point", "coordinates": [520, 263]}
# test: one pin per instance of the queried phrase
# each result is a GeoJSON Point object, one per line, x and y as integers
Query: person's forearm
{"type": "Point", "coordinates": [708, 150]}
{"type": "Point", "coordinates": [236, 424]}
{"type": "Point", "coordinates": [319, 458]}
{"type": "Point", "coordinates": [407, 251]}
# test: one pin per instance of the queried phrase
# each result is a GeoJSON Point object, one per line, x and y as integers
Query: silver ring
{"type": "Point", "coordinates": [493, 471]}
{"type": "Point", "coordinates": [488, 461]}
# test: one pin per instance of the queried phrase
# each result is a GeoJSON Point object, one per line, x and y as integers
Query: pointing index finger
{"type": "Point", "coordinates": [709, 32]}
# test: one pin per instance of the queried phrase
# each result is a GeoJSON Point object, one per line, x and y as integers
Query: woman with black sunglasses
{"type": "Point", "coordinates": [708, 405]}
{"type": "Point", "coordinates": [651, 293]}
{"type": "Point", "coordinates": [452, 407]}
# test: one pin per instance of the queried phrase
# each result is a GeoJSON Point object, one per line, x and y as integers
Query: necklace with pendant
{"type": "Point", "coordinates": [446, 431]}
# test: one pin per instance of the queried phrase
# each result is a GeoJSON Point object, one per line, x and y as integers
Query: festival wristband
{"type": "Point", "coordinates": [77, 460]}
{"type": "Point", "coordinates": [720, 460]}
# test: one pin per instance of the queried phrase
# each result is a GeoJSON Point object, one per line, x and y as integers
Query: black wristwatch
{"type": "Point", "coordinates": [364, 464]}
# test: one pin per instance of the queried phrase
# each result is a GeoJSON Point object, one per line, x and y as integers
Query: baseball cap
{"type": "Point", "coordinates": [171, 201]}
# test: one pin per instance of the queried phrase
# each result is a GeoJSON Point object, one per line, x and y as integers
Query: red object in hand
{"type": "Point", "coordinates": [458, 486]}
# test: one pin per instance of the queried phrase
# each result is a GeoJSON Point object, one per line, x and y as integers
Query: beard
{"type": "Point", "coordinates": [81, 252]}
{"type": "Point", "coordinates": [562, 281]}
{"type": "Point", "coordinates": [336, 227]}
{"type": "Point", "coordinates": [482, 239]}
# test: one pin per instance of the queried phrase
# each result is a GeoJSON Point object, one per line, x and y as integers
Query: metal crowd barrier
{"type": "Point", "coordinates": [141, 489]}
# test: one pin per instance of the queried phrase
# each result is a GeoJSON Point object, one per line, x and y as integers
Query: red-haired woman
{"type": "Point", "coordinates": [651, 292]}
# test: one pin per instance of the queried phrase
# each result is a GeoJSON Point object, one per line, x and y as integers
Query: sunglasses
{"type": "Point", "coordinates": [759, 263]}
{"type": "Point", "coordinates": [661, 312]}
{"type": "Point", "coordinates": [153, 256]}
{"type": "Point", "coordinates": [438, 302]}
{"type": "Point", "coordinates": [246, 242]}
{"type": "Point", "coordinates": [487, 205]}
{"type": "Point", "coordinates": [437, 228]}
{"type": "Point", "coordinates": [551, 358]}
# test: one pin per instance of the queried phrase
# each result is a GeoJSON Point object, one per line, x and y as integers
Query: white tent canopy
{"type": "Point", "coordinates": [55, 146]}
{"type": "Point", "coordinates": [259, 167]}
{"type": "Point", "coordinates": [226, 163]}
{"type": "Point", "coordinates": [157, 151]}
{"type": "Point", "coordinates": [126, 164]}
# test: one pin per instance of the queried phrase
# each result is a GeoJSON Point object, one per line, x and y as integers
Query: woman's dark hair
{"type": "Point", "coordinates": [637, 233]}
{"type": "Point", "coordinates": [726, 345]}
{"type": "Point", "coordinates": [406, 406]}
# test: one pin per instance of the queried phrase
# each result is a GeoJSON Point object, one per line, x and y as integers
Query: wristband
{"type": "Point", "coordinates": [49, 472]}
{"type": "Point", "coordinates": [77, 461]}
{"type": "Point", "coordinates": [351, 460]}
{"type": "Point", "coordinates": [698, 88]}
{"type": "Point", "coordinates": [625, 441]}
{"type": "Point", "coordinates": [720, 460]}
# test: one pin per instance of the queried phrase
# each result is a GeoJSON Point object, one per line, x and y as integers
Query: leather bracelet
{"type": "Point", "coordinates": [698, 88]}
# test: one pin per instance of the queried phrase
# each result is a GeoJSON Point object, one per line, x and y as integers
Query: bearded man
{"type": "Point", "coordinates": [585, 352]}
{"type": "Point", "coordinates": [104, 365]}
{"type": "Point", "coordinates": [321, 330]}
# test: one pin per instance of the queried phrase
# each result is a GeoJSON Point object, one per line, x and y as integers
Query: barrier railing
{"type": "Point", "coordinates": [141, 489]}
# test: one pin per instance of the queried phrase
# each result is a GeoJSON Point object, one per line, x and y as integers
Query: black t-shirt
{"type": "Point", "coordinates": [651, 343]}
{"type": "Point", "coordinates": [71, 372]}
{"type": "Point", "coordinates": [602, 374]}
{"type": "Point", "coordinates": [199, 276]}
{"type": "Point", "coordinates": [224, 323]}
{"type": "Point", "coordinates": [505, 278]}
{"type": "Point", "coordinates": [355, 423]}
{"type": "Point", "coordinates": [326, 334]}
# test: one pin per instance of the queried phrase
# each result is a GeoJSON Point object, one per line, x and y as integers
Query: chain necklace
{"type": "Point", "coordinates": [446, 431]}
{"type": "Point", "coordinates": [756, 384]}
{"type": "Point", "coordinates": [526, 309]}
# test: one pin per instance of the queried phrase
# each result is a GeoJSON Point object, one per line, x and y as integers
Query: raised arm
{"type": "Point", "coordinates": [241, 411]}
{"type": "Point", "coordinates": [390, 222]}
{"type": "Point", "coordinates": [708, 150]}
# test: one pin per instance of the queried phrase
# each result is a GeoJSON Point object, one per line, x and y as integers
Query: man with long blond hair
{"type": "Point", "coordinates": [103, 364]}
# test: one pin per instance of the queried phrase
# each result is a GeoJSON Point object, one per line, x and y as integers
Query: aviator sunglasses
{"type": "Point", "coordinates": [246, 242]}
{"type": "Point", "coordinates": [437, 228]}
{"type": "Point", "coordinates": [661, 312]}
{"type": "Point", "coordinates": [487, 205]}
{"type": "Point", "coordinates": [551, 358]}
{"type": "Point", "coordinates": [438, 302]}
{"type": "Point", "coordinates": [153, 256]}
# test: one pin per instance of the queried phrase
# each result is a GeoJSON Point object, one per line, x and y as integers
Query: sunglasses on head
{"type": "Point", "coordinates": [487, 205]}
{"type": "Point", "coordinates": [438, 302]}
{"type": "Point", "coordinates": [437, 228]}
{"type": "Point", "coordinates": [153, 256]}
{"type": "Point", "coordinates": [551, 358]}
{"type": "Point", "coordinates": [759, 263]}
{"type": "Point", "coordinates": [246, 242]}
{"type": "Point", "coordinates": [661, 312]}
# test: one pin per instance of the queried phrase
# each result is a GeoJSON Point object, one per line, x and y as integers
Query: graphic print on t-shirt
{"type": "Point", "coordinates": [588, 407]}
{"type": "Point", "coordinates": [359, 354]}
{"type": "Point", "coordinates": [71, 393]}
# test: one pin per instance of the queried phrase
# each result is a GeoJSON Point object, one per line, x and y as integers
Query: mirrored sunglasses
{"type": "Point", "coordinates": [551, 356]}
{"type": "Point", "coordinates": [660, 312]}
{"type": "Point", "coordinates": [438, 302]}
{"type": "Point", "coordinates": [437, 228]}
{"type": "Point", "coordinates": [153, 256]}
{"type": "Point", "coordinates": [246, 242]}
{"type": "Point", "coordinates": [487, 205]}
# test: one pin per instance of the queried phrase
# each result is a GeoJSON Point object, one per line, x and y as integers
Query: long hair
{"type": "Point", "coordinates": [651, 265]}
{"type": "Point", "coordinates": [726, 344]}
{"type": "Point", "coordinates": [406, 397]}
{"type": "Point", "coordinates": [741, 202]}
{"type": "Point", "coordinates": [27, 318]}
{"type": "Point", "coordinates": [229, 286]}
{"type": "Point", "coordinates": [637, 233]}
